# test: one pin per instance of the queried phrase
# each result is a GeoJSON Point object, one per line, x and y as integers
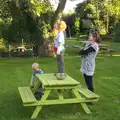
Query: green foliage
{"type": "Point", "coordinates": [3, 29]}
{"type": "Point", "coordinates": [30, 21]}
{"type": "Point", "coordinates": [4, 10]}
{"type": "Point", "coordinates": [2, 46]}
{"type": "Point", "coordinates": [117, 33]}
{"type": "Point", "coordinates": [103, 13]}
{"type": "Point", "coordinates": [90, 9]}
{"type": "Point", "coordinates": [113, 8]}
{"type": "Point", "coordinates": [77, 24]}
{"type": "Point", "coordinates": [40, 7]}
{"type": "Point", "coordinates": [77, 27]}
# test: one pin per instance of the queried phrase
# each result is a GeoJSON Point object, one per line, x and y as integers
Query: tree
{"type": "Point", "coordinates": [117, 33]}
{"type": "Point", "coordinates": [4, 10]}
{"type": "Point", "coordinates": [103, 13]}
{"type": "Point", "coordinates": [59, 10]}
{"type": "Point", "coordinates": [31, 20]}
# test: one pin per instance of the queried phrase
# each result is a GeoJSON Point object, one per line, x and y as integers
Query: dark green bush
{"type": "Point", "coordinates": [117, 33]}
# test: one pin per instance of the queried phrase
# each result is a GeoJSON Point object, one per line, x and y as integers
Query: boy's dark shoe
{"type": "Point", "coordinates": [89, 103]}
{"type": "Point", "coordinates": [38, 95]}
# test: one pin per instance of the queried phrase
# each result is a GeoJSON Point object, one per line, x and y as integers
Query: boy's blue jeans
{"type": "Point", "coordinates": [38, 95]}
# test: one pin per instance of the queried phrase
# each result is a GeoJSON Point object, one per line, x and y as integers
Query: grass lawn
{"type": "Point", "coordinates": [17, 72]}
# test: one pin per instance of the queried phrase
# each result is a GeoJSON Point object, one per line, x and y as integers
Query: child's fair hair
{"type": "Point", "coordinates": [35, 66]}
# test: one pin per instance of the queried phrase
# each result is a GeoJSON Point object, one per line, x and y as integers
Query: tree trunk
{"type": "Point", "coordinates": [41, 46]}
{"type": "Point", "coordinates": [41, 50]}
{"type": "Point", "coordinates": [59, 10]}
{"type": "Point", "coordinates": [44, 49]}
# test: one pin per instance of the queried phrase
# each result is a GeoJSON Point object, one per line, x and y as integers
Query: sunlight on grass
{"type": "Point", "coordinates": [17, 72]}
{"type": "Point", "coordinates": [116, 55]}
{"type": "Point", "coordinates": [110, 78]}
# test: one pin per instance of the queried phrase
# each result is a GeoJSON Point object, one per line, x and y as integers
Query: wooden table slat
{"type": "Point", "coordinates": [51, 80]}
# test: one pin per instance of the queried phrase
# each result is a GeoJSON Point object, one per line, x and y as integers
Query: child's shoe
{"type": "Point", "coordinates": [38, 95]}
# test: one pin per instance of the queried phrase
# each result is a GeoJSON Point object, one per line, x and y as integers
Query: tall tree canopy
{"type": "Point", "coordinates": [103, 13]}
{"type": "Point", "coordinates": [30, 20]}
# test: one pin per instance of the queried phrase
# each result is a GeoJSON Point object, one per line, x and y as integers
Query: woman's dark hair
{"type": "Point", "coordinates": [95, 33]}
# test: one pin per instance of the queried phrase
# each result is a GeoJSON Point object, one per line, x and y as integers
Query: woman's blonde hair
{"type": "Point", "coordinates": [62, 25]}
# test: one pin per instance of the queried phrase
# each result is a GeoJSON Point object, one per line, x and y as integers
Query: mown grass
{"type": "Point", "coordinates": [17, 72]}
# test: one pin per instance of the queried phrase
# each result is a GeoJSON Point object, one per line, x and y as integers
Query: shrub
{"type": "Point", "coordinates": [117, 33]}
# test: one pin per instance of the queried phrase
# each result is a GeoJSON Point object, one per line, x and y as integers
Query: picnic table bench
{"type": "Point", "coordinates": [106, 49]}
{"type": "Point", "coordinates": [50, 83]}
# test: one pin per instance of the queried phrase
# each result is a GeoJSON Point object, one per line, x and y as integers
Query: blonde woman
{"type": "Point", "coordinates": [59, 45]}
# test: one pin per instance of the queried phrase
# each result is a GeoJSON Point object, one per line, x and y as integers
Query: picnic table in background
{"type": "Point", "coordinates": [104, 48]}
{"type": "Point", "coordinates": [51, 83]}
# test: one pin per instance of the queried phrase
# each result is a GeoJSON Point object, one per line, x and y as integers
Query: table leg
{"type": "Point", "coordinates": [38, 108]}
{"type": "Point", "coordinates": [85, 107]}
{"type": "Point", "coordinates": [36, 88]}
{"type": "Point", "coordinates": [60, 94]}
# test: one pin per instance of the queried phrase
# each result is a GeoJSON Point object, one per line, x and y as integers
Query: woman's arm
{"type": "Point", "coordinates": [87, 51]}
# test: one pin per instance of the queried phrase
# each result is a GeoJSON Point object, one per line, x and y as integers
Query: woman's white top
{"type": "Point", "coordinates": [88, 61]}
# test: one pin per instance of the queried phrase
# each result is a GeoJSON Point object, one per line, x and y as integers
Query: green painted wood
{"type": "Point", "coordinates": [36, 87]}
{"type": "Point", "coordinates": [36, 112]}
{"type": "Point", "coordinates": [40, 77]}
{"type": "Point", "coordinates": [46, 94]}
{"type": "Point", "coordinates": [39, 107]}
{"type": "Point", "coordinates": [50, 83]}
{"type": "Point", "coordinates": [84, 106]}
{"type": "Point", "coordinates": [51, 80]}
{"type": "Point", "coordinates": [26, 95]}
{"type": "Point", "coordinates": [22, 94]}
{"type": "Point", "coordinates": [73, 80]}
{"type": "Point", "coordinates": [87, 93]}
{"type": "Point", "coordinates": [29, 95]}
{"type": "Point", "coordinates": [60, 94]}
{"type": "Point", "coordinates": [61, 87]}
{"type": "Point", "coordinates": [57, 102]}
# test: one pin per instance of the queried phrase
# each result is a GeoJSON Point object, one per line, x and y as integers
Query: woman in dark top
{"type": "Point", "coordinates": [88, 54]}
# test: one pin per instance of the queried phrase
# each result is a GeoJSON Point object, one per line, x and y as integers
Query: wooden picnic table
{"type": "Point", "coordinates": [50, 83]}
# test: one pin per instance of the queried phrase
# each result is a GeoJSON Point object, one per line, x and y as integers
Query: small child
{"type": "Point", "coordinates": [59, 45]}
{"type": "Point", "coordinates": [36, 70]}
